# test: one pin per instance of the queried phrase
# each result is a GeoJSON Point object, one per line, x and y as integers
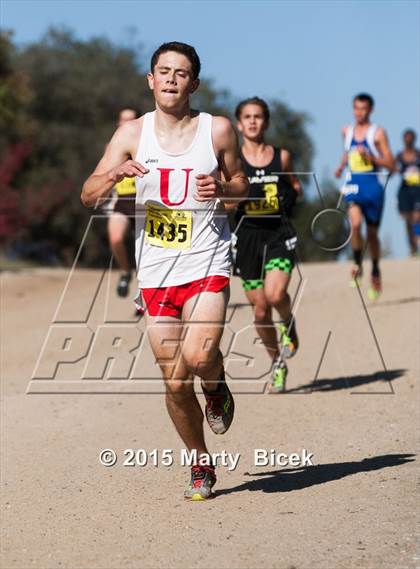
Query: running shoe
{"type": "Point", "coordinates": [203, 478]}
{"type": "Point", "coordinates": [123, 285]}
{"type": "Point", "coordinates": [289, 340]}
{"type": "Point", "coordinates": [375, 288]}
{"type": "Point", "coordinates": [220, 407]}
{"type": "Point", "coordinates": [278, 380]}
{"type": "Point", "coordinates": [356, 274]}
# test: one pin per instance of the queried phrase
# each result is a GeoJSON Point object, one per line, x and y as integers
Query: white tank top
{"type": "Point", "coordinates": [370, 138]}
{"type": "Point", "coordinates": [178, 239]}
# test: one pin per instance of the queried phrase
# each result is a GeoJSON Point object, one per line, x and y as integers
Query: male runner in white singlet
{"type": "Point", "coordinates": [186, 164]}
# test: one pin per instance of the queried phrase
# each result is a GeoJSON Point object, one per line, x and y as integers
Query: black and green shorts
{"type": "Point", "coordinates": [261, 250]}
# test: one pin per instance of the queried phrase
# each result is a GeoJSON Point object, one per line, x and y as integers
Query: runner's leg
{"type": "Point", "coordinates": [165, 336]}
{"type": "Point", "coordinates": [374, 243]}
{"type": "Point", "coordinates": [409, 218]}
{"type": "Point", "coordinates": [277, 279]}
{"type": "Point", "coordinates": [264, 321]}
{"type": "Point", "coordinates": [415, 228]}
{"type": "Point", "coordinates": [375, 252]}
{"type": "Point", "coordinates": [204, 316]}
{"type": "Point", "coordinates": [356, 219]}
{"type": "Point", "coordinates": [118, 225]}
{"type": "Point", "coordinates": [275, 289]}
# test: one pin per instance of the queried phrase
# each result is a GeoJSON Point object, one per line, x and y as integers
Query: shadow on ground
{"type": "Point", "coordinates": [395, 302]}
{"type": "Point", "coordinates": [290, 479]}
{"type": "Point", "coordinates": [349, 382]}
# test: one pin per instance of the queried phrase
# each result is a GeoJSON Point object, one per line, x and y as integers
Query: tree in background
{"type": "Point", "coordinates": [15, 126]}
{"type": "Point", "coordinates": [59, 99]}
{"type": "Point", "coordinates": [288, 129]}
{"type": "Point", "coordinates": [78, 90]}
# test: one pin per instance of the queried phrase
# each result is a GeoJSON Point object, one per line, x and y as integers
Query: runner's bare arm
{"type": "Point", "coordinates": [287, 166]}
{"type": "Point", "coordinates": [234, 184]}
{"type": "Point", "coordinates": [385, 158]}
{"type": "Point", "coordinates": [343, 160]}
{"type": "Point", "coordinates": [114, 166]}
{"type": "Point", "coordinates": [397, 167]}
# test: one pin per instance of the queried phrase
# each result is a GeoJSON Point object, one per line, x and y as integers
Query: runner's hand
{"type": "Point", "coordinates": [208, 188]}
{"type": "Point", "coordinates": [128, 169]}
{"type": "Point", "coordinates": [338, 172]}
{"type": "Point", "coordinates": [364, 152]}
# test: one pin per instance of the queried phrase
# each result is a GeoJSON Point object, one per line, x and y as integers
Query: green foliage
{"type": "Point", "coordinates": [77, 90]}
{"type": "Point", "coordinates": [80, 88]}
{"type": "Point", "coordinates": [14, 95]}
{"type": "Point", "coordinates": [215, 101]}
{"type": "Point", "coordinates": [334, 230]}
{"type": "Point", "coordinates": [288, 130]}
{"type": "Point", "coordinates": [59, 101]}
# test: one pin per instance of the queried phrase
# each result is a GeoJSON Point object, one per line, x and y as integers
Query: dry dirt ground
{"type": "Point", "coordinates": [352, 401]}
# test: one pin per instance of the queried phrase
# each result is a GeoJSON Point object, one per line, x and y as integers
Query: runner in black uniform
{"type": "Point", "coordinates": [408, 164]}
{"type": "Point", "coordinates": [266, 238]}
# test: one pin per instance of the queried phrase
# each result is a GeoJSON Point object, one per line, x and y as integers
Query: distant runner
{"type": "Point", "coordinates": [366, 152]}
{"type": "Point", "coordinates": [408, 164]}
{"type": "Point", "coordinates": [266, 239]}
{"type": "Point", "coordinates": [122, 218]}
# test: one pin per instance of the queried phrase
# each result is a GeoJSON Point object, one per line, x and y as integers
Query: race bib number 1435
{"type": "Point", "coordinates": [170, 228]}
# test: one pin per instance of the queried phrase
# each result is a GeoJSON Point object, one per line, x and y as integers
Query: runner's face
{"type": "Point", "coordinates": [361, 111]}
{"type": "Point", "coordinates": [126, 115]}
{"type": "Point", "coordinates": [172, 81]}
{"type": "Point", "coordinates": [409, 140]}
{"type": "Point", "coordinates": [252, 123]}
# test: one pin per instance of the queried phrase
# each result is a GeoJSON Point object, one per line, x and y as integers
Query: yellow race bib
{"type": "Point", "coordinates": [358, 163]}
{"type": "Point", "coordinates": [126, 187]}
{"type": "Point", "coordinates": [412, 177]}
{"type": "Point", "coordinates": [169, 228]}
{"type": "Point", "coordinates": [264, 206]}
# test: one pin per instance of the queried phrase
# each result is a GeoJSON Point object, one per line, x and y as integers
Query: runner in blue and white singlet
{"type": "Point", "coordinates": [366, 152]}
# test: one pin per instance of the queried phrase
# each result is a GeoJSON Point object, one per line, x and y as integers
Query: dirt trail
{"type": "Point", "coordinates": [354, 508]}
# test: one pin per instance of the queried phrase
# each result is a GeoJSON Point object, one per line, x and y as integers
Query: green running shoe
{"type": "Point", "coordinates": [289, 340]}
{"type": "Point", "coordinates": [375, 288]}
{"type": "Point", "coordinates": [356, 276]}
{"type": "Point", "coordinates": [278, 380]}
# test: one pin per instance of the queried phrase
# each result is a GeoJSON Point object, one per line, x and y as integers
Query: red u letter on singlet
{"type": "Point", "coordinates": [164, 185]}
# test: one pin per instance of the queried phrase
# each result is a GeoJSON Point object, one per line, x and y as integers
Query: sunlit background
{"type": "Point", "coordinates": [310, 58]}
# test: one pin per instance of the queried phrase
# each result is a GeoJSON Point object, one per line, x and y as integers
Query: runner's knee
{"type": "Point", "coordinates": [372, 233]}
{"type": "Point", "coordinates": [116, 237]}
{"type": "Point", "coordinates": [178, 388]}
{"type": "Point", "coordinates": [356, 224]}
{"type": "Point", "coordinates": [276, 296]}
{"type": "Point", "coordinates": [200, 361]}
{"type": "Point", "coordinates": [262, 312]}
{"type": "Point", "coordinates": [117, 228]}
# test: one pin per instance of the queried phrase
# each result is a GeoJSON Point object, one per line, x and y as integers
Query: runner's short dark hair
{"type": "Point", "coordinates": [178, 47]}
{"type": "Point", "coordinates": [410, 131]}
{"type": "Point", "coordinates": [365, 98]}
{"type": "Point", "coordinates": [253, 101]}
